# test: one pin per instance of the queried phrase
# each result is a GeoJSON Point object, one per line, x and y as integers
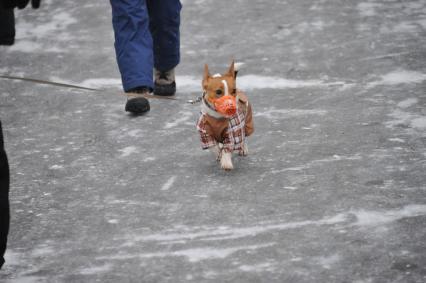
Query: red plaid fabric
{"type": "Point", "coordinates": [233, 136]}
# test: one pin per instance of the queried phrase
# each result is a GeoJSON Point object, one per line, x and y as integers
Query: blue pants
{"type": "Point", "coordinates": [146, 36]}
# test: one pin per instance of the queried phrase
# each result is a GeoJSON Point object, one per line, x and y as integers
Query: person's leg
{"type": "Point", "coordinates": [164, 26]}
{"type": "Point", "coordinates": [133, 43]}
{"type": "Point", "coordinates": [133, 48]}
{"type": "Point", "coordinates": [7, 26]}
{"type": "Point", "coordinates": [4, 199]}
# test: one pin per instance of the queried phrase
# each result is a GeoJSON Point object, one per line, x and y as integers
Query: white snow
{"type": "Point", "coordinates": [252, 82]}
{"type": "Point", "coordinates": [25, 46]}
{"type": "Point", "coordinates": [226, 233]}
{"type": "Point", "coordinates": [169, 183]}
{"type": "Point", "coordinates": [406, 27]}
{"type": "Point", "coordinates": [101, 83]}
{"type": "Point", "coordinates": [374, 218]}
{"type": "Point", "coordinates": [419, 123]}
{"type": "Point", "coordinates": [328, 262]}
{"type": "Point", "coordinates": [273, 113]}
{"type": "Point", "coordinates": [413, 120]}
{"type": "Point", "coordinates": [56, 167]}
{"type": "Point", "coordinates": [399, 77]}
{"type": "Point", "coordinates": [396, 140]}
{"type": "Point", "coordinates": [134, 133]}
{"type": "Point", "coordinates": [128, 151]}
{"type": "Point", "coordinates": [192, 255]}
{"type": "Point", "coordinates": [407, 102]}
{"type": "Point", "coordinates": [42, 251]}
{"type": "Point", "coordinates": [54, 27]}
{"type": "Point", "coordinates": [260, 267]}
{"type": "Point", "coordinates": [290, 188]}
{"type": "Point", "coordinates": [96, 269]}
{"type": "Point", "coordinates": [25, 279]}
{"type": "Point", "coordinates": [183, 117]}
{"type": "Point", "coordinates": [367, 9]}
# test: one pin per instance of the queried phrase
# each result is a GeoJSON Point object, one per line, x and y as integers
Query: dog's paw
{"type": "Point", "coordinates": [244, 150]}
{"type": "Point", "coordinates": [216, 151]}
{"type": "Point", "coordinates": [226, 161]}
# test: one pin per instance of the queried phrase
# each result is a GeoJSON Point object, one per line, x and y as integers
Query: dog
{"type": "Point", "coordinates": [226, 117]}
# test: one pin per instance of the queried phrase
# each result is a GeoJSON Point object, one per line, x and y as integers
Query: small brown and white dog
{"type": "Point", "coordinates": [226, 116]}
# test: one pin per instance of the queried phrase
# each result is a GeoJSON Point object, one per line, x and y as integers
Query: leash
{"type": "Point", "coordinates": [46, 82]}
{"type": "Point", "coordinates": [197, 100]}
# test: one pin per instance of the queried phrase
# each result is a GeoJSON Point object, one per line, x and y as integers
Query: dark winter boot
{"type": "Point", "coordinates": [136, 102]}
{"type": "Point", "coordinates": [164, 83]}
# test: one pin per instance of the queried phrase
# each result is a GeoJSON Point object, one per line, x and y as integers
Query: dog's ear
{"type": "Point", "coordinates": [206, 72]}
{"type": "Point", "coordinates": [231, 70]}
{"type": "Point", "coordinates": [206, 76]}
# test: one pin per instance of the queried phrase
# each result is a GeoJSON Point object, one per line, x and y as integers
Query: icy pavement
{"type": "Point", "coordinates": [333, 189]}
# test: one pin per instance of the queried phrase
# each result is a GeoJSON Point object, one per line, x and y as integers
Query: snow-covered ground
{"type": "Point", "coordinates": [334, 187]}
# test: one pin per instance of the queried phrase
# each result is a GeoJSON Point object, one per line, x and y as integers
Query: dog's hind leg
{"type": "Point", "coordinates": [226, 161]}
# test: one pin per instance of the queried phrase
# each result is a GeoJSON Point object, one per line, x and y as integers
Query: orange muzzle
{"type": "Point", "coordinates": [226, 105]}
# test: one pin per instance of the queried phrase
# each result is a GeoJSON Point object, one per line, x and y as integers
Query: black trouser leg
{"type": "Point", "coordinates": [7, 26]}
{"type": "Point", "coordinates": [4, 199]}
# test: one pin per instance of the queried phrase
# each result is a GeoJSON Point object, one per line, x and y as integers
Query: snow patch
{"type": "Point", "coordinates": [405, 27]}
{"type": "Point", "coordinates": [407, 119]}
{"type": "Point", "coordinates": [169, 183]}
{"type": "Point", "coordinates": [199, 254]}
{"type": "Point", "coordinates": [419, 123]}
{"type": "Point", "coordinates": [128, 151]}
{"type": "Point", "coordinates": [290, 188]}
{"type": "Point", "coordinates": [95, 270]}
{"type": "Point", "coordinates": [273, 113]}
{"type": "Point", "coordinates": [193, 255]}
{"type": "Point", "coordinates": [56, 167]}
{"type": "Point", "coordinates": [396, 140]}
{"type": "Point", "coordinates": [328, 262]}
{"type": "Point", "coordinates": [367, 9]}
{"type": "Point", "coordinates": [407, 102]}
{"type": "Point", "coordinates": [399, 77]}
{"type": "Point", "coordinates": [42, 251]}
{"type": "Point", "coordinates": [182, 118]}
{"type": "Point", "coordinates": [58, 22]}
{"type": "Point", "coordinates": [227, 233]}
{"type": "Point", "coordinates": [374, 218]}
{"type": "Point", "coordinates": [25, 46]}
{"type": "Point", "coordinates": [12, 258]}
{"type": "Point", "coordinates": [261, 267]}
{"type": "Point", "coordinates": [251, 82]}
{"type": "Point", "coordinates": [101, 83]}
{"type": "Point", "coordinates": [134, 133]}
{"type": "Point", "coordinates": [25, 279]}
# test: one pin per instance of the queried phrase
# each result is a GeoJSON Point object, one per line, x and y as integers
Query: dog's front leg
{"type": "Point", "coordinates": [216, 150]}
{"type": "Point", "coordinates": [226, 160]}
{"type": "Point", "coordinates": [244, 150]}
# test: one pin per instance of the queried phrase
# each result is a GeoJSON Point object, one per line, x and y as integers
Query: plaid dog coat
{"type": "Point", "coordinates": [230, 132]}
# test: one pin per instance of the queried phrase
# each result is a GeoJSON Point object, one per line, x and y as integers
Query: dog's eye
{"type": "Point", "coordinates": [219, 92]}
